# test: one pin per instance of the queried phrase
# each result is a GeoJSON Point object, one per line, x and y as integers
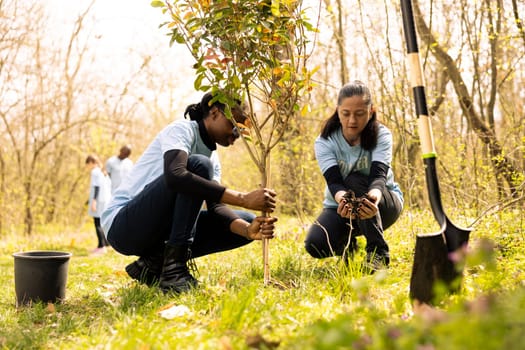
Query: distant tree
{"type": "Point", "coordinates": [36, 117]}
{"type": "Point", "coordinates": [54, 109]}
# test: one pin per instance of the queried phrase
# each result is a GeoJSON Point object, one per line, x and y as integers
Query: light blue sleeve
{"type": "Point", "coordinates": [178, 135]}
{"type": "Point", "coordinates": [324, 153]}
{"type": "Point", "coordinates": [383, 151]}
{"type": "Point", "coordinates": [97, 178]}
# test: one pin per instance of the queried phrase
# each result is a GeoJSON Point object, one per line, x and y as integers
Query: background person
{"type": "Point", "coordinates": [156, 212]}
{"type": "Point", "coordinates": [99, 194]}
{"type": "Point", "coordinates": [118, 166]}
{"type": "Point", "coordinates": [354, 151]}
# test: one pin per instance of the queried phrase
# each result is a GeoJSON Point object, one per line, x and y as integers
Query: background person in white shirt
{"type": "Point", "coordinates": [119, 166]}
{"type": "Point", "coordinates": [99, 194]}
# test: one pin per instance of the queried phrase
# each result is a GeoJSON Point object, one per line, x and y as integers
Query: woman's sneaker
{"type": "Point", "coordinates": [98, 251]}
{"type": "Point", "coordinates": [375, 262]}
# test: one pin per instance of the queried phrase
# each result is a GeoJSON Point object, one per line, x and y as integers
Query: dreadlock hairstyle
{"type": "Point", "coordinates": [200, 110]}
{"type": "Point", "coordinates": [369, 133]}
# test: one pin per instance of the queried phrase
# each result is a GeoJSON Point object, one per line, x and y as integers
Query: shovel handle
{"type": "Point", "coordinates": [424, 124]}
{"type": "Point", "coordinates": [417, 81]}
{"type": "Point", "coordinates": [455, 236]}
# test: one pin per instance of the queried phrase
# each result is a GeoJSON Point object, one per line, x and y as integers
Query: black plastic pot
{"type": "Point", "coordinates": [40, 275]}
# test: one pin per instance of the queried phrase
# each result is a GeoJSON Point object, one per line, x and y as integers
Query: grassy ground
{"type": "Point", "coordinates": [311, 304]}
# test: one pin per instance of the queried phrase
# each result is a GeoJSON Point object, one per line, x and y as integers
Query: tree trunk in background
{"type": "Point", "coordinates": [336, 14]}
{"type": "Point", "coordinates": [2, 189]}
{"type": "Point", "coordinates": [518, 21]}
{"type": "Point", "coordinates": [298, 191]}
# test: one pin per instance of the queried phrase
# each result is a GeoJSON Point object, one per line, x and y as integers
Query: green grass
{"type": "Point", "coordinates": [310, 304]}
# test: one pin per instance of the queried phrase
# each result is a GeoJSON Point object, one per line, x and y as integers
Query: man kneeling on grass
{"type": "Point", "coordinates": [156, 212]}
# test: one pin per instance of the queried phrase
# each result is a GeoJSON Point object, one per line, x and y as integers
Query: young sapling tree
{"type": "Point", "coordinates": [255, 51]}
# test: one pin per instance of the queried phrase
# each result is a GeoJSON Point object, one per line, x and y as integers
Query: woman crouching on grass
{"type": "Point", "coordinates": [354, 152]}
{"type": "Point", "coordinates": [156, 212]}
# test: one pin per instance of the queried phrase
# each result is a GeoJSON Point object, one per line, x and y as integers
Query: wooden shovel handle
{"type": "Point", "coordinates": [266, 260]}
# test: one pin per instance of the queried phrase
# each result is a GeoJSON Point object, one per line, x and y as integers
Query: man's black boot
{"type": "Point", "coordinates": [146, 269]}
{"type": "Point", "coordinates": [175, 276]}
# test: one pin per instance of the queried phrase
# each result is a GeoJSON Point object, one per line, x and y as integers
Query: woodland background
{"type": "Point", "coordinates": [59, 102]}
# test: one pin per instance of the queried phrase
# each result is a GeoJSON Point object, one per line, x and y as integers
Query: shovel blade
{"type": "Point", "coordinates": [456, 237]}
{"type": "Point", "coordinates": [437, 262]}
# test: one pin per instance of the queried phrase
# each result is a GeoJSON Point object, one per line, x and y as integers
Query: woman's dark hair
{"type": "Point", "coordinates": [199, 111]}
{"type": "Point", "coordinates": [93, 159]}
{"type": "Point", "coordinates": [369, 133]}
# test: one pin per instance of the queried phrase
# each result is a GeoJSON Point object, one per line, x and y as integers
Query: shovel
{"type": "Point", "coordinates": [437, 257]}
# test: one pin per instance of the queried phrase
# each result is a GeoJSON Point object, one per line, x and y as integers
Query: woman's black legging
{"type": "Point", "coordinates": [149, 220]}
{"type": "Point", "coordinates": [329, 235]}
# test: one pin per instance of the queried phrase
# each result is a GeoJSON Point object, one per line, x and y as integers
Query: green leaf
{"type": "Point", "coordinates": [198, 81]}
{"type": "Point", "coordinates": [157, 3]}
{"type": "Point", "coordinates": [236, 82]}
{"type": "Point", "coordinates": [275, 8]}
